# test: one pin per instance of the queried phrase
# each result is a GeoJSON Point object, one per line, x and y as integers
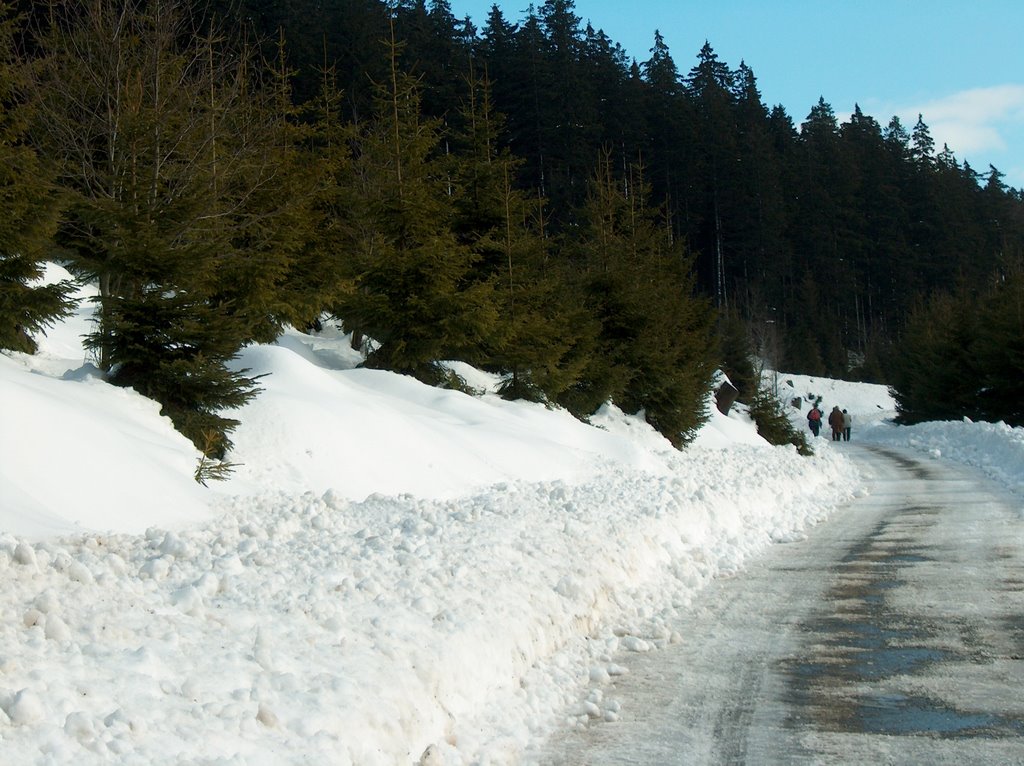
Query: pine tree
{"type": "Point", "coordinates": [934, 372]}
{"type": "Point", "coordinates": [824, 227]}
{"type": "Point", "coordinates": [536, 344]}
{"type": "Point", "coordinates": [29, 206]}
{"type": "Point", "coordinates": [414, 295]}
{"type": "Point", "coordinates": [569, 106]}
{"type": "Point", "coordinates": [660, 70]}
{"type": "Point", "coordinates": [320, 272]}
{"type": "Point", "coordinates": [785, 148]}
{"type": "Point", "coordinates": [525, 85]}
{"type": "Point", "coordinates": [495, 58]}
{"type": "Point", "coordinates": [773, 425]}
{"type": "Point", "coordinates": [160, 146]}
{"type": "Point", "coordinates": [999, 348]}
{"type": "Point", "coordinates": [922, 147]}
{"type": "Point", "coordinates": [669, 153]}
{"type": "Point", "coordinates": [434, 50]}
{"type": "Point", "coordinates": [962, 355]}
{"type": "Point", "coordinates": [176, 349]}
{"type": "Point", "coordinates": [655, 350]}
{"type": "Point", "coordinates": [736, 353]}
{"type": "Point", "coordinates": [612, 97]}
{"type": "Point", "coordinates": [711, 87]}
{"type": "Point", "coordinates": [759, 255]}
{"type": "Point", "coordinates": [271, 273]}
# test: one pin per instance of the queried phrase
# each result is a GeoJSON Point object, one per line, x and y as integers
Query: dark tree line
{"type": "Point", "coordinates": [520, 196]}
{"type": "Point", "coordinates": [827, 233]}
{"type": "Point", "coordinates": [963, 355]}
{"type": "Point", "coordinates": [829, 229]}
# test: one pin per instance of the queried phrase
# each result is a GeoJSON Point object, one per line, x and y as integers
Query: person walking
{"type": "Point", "coordinates": [835, 421]}
{"type": "Point", "coordinates": [814, 420]}
{"type": "Point", "coordinates": [847, 424]}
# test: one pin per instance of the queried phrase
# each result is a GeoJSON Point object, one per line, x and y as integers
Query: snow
{"type": "Point", "coordinates": [994, 448]}
{"type": "Point", "coordinates": [394, 574]}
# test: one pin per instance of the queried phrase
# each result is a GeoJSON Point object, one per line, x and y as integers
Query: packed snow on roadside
{"type": "Point", "coordinates": [393, 575]}
{"type": "Point", "coordinates": [996, 449]}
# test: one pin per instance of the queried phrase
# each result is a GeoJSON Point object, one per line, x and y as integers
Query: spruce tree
{"type": "Point", "coordinates": [29, 206]}
{"type": "Point", "coordinates": [414, 295]}
{"type": "Point", "coordinates": [541, 328]}
{"type": "Point", "coordinates": [711, 87]}
{"type": "Point", "coordinates": [271, 273]}
{"type": "Point", "coordinates": [999, 348]}
{"type": "Point", "coordinates": [759, 256]}
{"type": "Point", "coordinates": [163, 153]}
{"type": "Point", "coordinates": [879, 242]}
{"type": "Point", "coordinates": [569, 105]}
{"type": "Point", "coordinates": [670, 128]}
{"type": "Point", "coordinates": [614, 100]}
{"type": "Point", "coordinates": [934, 371]}
{"type": "Point", "coordinates": [736, 353]}
{"type": "Point", "coordinates": [962, 355]}
{"type": "Point", "coordinates": [655, 351]}
{"type": "Point", "coordinates": [525, 87]}
{"type": "Point", "coordinates": [773, 424]}
{"type": "Point", "coordinates": [922, 147]}
{"type": "Point", "coordinates": [320, 273]}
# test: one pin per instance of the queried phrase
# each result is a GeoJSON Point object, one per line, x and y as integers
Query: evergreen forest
{"type": "Point", "coordinates": [518, 194]}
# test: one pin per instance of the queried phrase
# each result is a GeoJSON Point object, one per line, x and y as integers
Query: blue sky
{"type": "Point", "coordinates": [959, 64]}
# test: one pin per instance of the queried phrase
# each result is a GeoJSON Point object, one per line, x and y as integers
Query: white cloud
{"type": "Point", "coordinates": [981, 125]}
{"type": "Point", "coordinates": [966, 137]}
{"type": "Point", "coordinates": [972, 121]}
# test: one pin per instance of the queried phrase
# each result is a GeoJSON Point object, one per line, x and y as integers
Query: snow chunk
{"type": "Point", "coordinates": [634, 644]}
{"type": "Point", "coordinates": [25, 708]}
{"type": "Point", "coordinates": [56, 629]}
{"type": "Point", "coordinates": [24, 554]}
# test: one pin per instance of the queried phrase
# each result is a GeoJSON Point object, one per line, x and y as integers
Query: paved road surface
{"type": "Point", "coordinates": [893, 635]}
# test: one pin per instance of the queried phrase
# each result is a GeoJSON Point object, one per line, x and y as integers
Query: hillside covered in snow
{"type": "Point", "coordinates": [392, 574]}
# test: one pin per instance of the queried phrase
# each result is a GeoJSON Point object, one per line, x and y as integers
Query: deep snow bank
{"type": "Point", "coordinates": [995, 448]}
{"type": "Point", "coordinates": [358, 432]}
{"type": "Point", "coordinates": [76, 452]}
{"type": "Point", "coordinates": [392, 568]}
{"type": "Point", "coordinates": [300, 628]}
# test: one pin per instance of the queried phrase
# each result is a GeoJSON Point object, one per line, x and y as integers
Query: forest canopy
{"type": "Point", "coordinates": [828, 231]}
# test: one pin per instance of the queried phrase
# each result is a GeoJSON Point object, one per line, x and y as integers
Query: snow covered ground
{"type": "Point", "coordinates": [995, 448]}
{"type": "Point", "coordinates": [394, 574]}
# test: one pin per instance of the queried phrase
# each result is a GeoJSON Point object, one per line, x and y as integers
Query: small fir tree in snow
{"type": "Point", "coordinates": [736, 352]}
{"type": "Point", "coordinates": [769, 415]}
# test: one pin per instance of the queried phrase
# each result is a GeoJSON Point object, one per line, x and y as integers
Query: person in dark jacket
{"type": "Point", "coordinates": [835, 420]}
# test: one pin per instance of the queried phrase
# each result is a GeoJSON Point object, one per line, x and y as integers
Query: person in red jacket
{"type": "Point", "coordinates": [814, 420]}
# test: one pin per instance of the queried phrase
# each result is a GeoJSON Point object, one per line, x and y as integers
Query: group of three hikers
{"type": "Point", "coordinates": [839, 421]}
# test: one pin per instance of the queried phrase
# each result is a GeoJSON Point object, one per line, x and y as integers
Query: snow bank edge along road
{"type": "Point", "coordinates": [304, 628]}
{"type": "Point", "coordinates": [325, 626]}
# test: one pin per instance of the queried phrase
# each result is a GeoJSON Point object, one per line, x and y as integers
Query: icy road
{"type": "Point", "coordinates": [893, 634]}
